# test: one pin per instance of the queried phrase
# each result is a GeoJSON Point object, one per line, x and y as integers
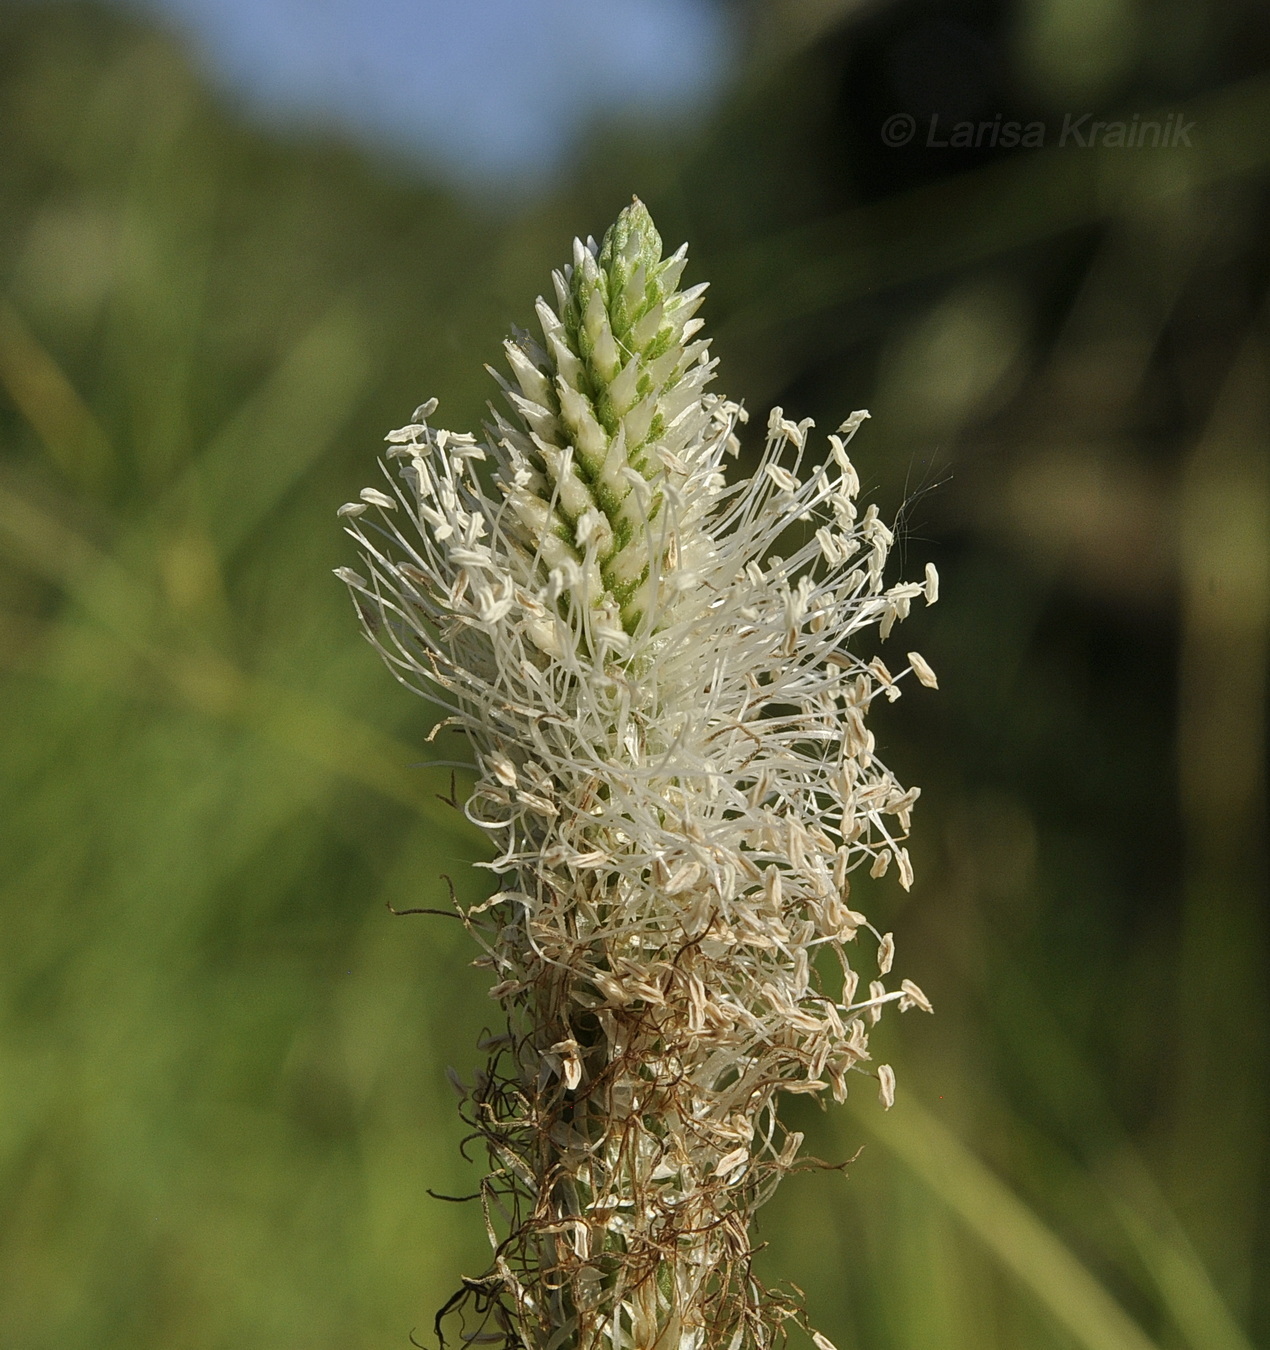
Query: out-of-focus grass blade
{"type": "Point", "coordinates": [281, 431]}
{"type": "Point", "coordinates": [46, 398]}
{"type": "Point", "coordinates": [1184, 1285]}
{"type": "Point", "coordinates": [203, 679]}
{"type": "Point", "coordinates": [1038, 1042]}
{"type": "Point", "coordinates": [1012, 1231]}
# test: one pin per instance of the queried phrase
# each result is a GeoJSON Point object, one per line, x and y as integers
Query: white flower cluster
{"type": "Point", "coordinates": [674, 762]}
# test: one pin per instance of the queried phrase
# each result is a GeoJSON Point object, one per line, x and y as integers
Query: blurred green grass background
{"type": "Point", "coordinates": [222, 1061]}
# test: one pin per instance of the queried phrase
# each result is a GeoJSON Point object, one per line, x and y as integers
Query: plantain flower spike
{"type": "Point", "coordinates": [669, 726]}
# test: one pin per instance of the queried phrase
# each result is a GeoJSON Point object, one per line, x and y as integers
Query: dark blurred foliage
{"type": "Point", "coordinates": [222, 1062]}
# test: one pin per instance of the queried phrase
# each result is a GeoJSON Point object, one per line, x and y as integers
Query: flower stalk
{"type": "Point", "coordinates": [669, 726]}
